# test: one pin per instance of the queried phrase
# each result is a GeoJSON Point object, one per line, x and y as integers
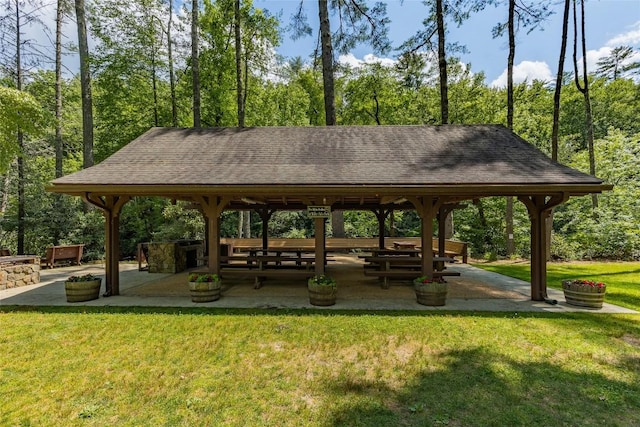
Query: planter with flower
{"type": "Point", "coordinates": [204, 287]}
{"type": "Point", "coordinates": [82, 288]}
{"type": "Point", "coordinates": [430, 291]}
{"type": "Point", "coordinates": [584, 293]}
{"type": "Point", "coordinates": [322, 290]}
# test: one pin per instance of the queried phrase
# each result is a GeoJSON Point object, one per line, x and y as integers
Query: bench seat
{"type": "Point", "coordinates": [261, 275]}
{"type": "Point", "coordinates": [404, 274]}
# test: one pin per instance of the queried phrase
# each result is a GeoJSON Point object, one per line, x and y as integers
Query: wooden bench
{"type": "Point", "coordinates": [5, 252]}
{"type": "Point", "coordinates": [407, 262]}
{"type": "Point", "coordinates": [72, 253]}
{"type": "Point", "coordinates": [453, 248]}
{"type": "Point", "coordinates": [269, 261]}
{"type": "Point", "coordinates": [385, 275]}
{"type": "Point", "coordinates": [260, 275]}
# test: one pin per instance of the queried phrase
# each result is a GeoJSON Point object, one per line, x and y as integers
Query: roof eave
{"type": "Point", "coordinates": [471, 190]}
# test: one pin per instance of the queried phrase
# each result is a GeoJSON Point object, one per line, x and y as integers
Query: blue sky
{"type": "Point", "coordinates": [609, 23]}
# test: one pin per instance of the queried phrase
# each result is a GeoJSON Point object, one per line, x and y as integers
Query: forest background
{"type": "Point", "coordinates": [141, 66]}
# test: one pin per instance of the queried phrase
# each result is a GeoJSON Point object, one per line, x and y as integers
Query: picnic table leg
{"type": "Point", "coordinates": [385, 266]}
{"type": "Point", "coordinates": [258, 282]}
{"type": "Point", "coordinates": [259, 279]}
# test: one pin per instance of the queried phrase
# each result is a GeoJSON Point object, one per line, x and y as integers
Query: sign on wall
{"type": "Point", "coordinates": [319, 211]}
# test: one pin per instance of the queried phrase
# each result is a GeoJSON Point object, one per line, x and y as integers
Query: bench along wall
{"type": "Point", "coordinates": [19, 271]}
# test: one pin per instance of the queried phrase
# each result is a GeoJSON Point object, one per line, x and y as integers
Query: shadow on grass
{"type": "Point", "coordinates": [480, 388]}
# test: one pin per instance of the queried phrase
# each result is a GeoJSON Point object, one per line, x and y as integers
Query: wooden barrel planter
{"type": "Point", "coordinates": [82, 291]}
{"type": "Point", "coordinates": [583, 293]}
{"type": "Point", "coordinates": [205, 291]}
{"type": "Point", "coordinates": [431, 293]}
{"type": "Point", "coordinates": [322, 291]}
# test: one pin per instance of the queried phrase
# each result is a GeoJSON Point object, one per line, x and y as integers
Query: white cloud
{"type": "Point", "coordinates": [593, 56]}
{"type": "Point", "coordinates": [526, 70]}
{"type": "Point", "coordinates": [353, 62]}
{"type": "Point", "coordinates": [630, 38]}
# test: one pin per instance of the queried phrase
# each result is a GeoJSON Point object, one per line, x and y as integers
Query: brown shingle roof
{"type": "Point", "coordinates": [448, 155]}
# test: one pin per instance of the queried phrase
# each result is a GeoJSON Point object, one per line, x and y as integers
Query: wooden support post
{"type": "Point", "coordinates": [111, 207]}
{"type": "Point", "coordinates": [381, 215]}
{"type": "Point", "coordinates": [320, 245]}
{"type": "Point", "coordinates": [427, 207]}
{"type": "Point", "coordinates": [265, 215]}
{"type": "Point", "coordinates": [442, 219]}
{"type": "Point", "coordinates": [539, 209]}
{"type": "Point", "coordinates": [212, 207]}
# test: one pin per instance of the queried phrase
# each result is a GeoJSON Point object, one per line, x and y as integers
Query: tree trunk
{"type": "Point", "coordinates": [85, 82]}
{"type": "Point", "coordinates": [195, 64]}
{"type": "Point", "coordinates": [512, 53]}
{"type": "Point", "coordinates": [559, 77]}
{"type": "Point", "coordinates": [337, 217]}
{"type": "Point", "coordinates": [247, 224]}
{"type": "Point", "coordinates": [154, 84]}
{"type": "Point", "coordinates": [584, 88]}
{"type": "Point", "coordinates": [442, 64]}
{"type": "Point", "coordinates": [21, 199]}
{"type": "Point", "coordinates": [327, 64]}
{"type": "Point", "coordinates": [58, 140]}
{"type": "Point", "coordinates": [172, 78]}
{"type": "Point", "coordinates": [556, 111]}
{"type": "Point", "coordinates": [448, 226]}
{"type": "Point", "coordinates": [238, 40]}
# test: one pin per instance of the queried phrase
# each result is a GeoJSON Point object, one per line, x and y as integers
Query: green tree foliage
{"type": "Point", "coordinates": [218, 69]}
{"type": "Point", "coordinates": [19, 111]}
{"type": "Point", "coordinates": [132, 93]}
{"type": "Point", "coordinates": [615, 231]}
{"type": "Point", "coordinates": [618, 63]}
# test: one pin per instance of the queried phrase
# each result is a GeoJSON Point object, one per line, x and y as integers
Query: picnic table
{"type": "Point", "coordinates": [260, 267]}
{"type": "Point", "coordinates": [405, 266]}
{"type": "Point", "coordinates": [387, 251]}
{"type": "Point", "coordinates": [386, 262]}
{"type": "Point", "coordinates": [404, 245]}
{"type": "Point", "coordinates": [266, 261]}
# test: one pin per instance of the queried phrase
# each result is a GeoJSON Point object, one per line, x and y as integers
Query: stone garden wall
{"type": "Point", "coordinates": [12, 276]}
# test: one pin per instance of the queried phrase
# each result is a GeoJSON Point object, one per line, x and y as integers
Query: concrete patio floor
{"type": "Point", "coordinates": [474, 290]}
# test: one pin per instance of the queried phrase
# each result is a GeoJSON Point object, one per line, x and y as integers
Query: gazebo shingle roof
{"type": "Point", "coordinates": [448, 155]}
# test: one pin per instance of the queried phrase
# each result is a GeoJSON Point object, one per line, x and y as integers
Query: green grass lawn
{"type": "Point", "coordinates": [177, 367]}
{"type": "Point", "coordinates": [622, 278]}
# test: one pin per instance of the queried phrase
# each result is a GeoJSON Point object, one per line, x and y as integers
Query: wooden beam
{"type": "Point", "coordinates": [427, 207]}
{"type": "Point", "coordinates": [320, 245]}
{"type": "Point", "coordinates": [539, 209]}
{"type": "Point", "coordinates": [213, 206]}
{"type": "Point", "coordinates": [111, 207]}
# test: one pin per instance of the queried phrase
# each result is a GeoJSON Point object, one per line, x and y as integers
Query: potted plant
{"type": "Point", "coordinates": [430, 291]}
{"type": "Point", "coordinates": [322, 290]}
{"type": "Point", "coordinates": [584, 293]}
{"type": "Point", "coordinates": [82, 288]}
{"type": "Point", "coordinates": [204, 287]}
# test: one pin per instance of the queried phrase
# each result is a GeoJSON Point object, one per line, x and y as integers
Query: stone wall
{"type": "Point", "coordinates": [12, 276]}
{"type": "Point", "coordinates": [171, 257]}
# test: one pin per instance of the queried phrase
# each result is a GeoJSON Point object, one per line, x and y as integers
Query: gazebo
{"type": "Point", "coordinates": [427, 168]}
